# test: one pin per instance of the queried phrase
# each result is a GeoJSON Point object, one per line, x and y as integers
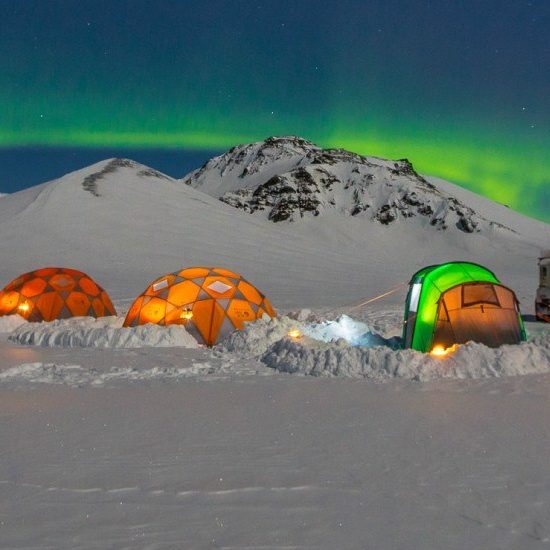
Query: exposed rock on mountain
{"type": "Point", "coordinates": [289, 178]}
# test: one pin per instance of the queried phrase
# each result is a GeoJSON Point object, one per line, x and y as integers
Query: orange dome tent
{"type": "Point", "coordinates": [54, 293]}
{"type": "Point", "coordinates": [210, 302]}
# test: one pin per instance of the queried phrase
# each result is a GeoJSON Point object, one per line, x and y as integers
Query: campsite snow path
{"type": "Point", "coordinates": [277, 462]}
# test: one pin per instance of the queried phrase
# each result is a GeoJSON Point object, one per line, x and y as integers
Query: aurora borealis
{"type": "Point", "coordinates": [459, 88]}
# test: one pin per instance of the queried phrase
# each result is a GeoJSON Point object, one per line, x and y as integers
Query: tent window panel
{"type": "Point", "coordinates": [506, 298]}
{"type": "Point", "coordinates": [452, 299]}
{"type": "Point", "coordinates": [479, 294]}
{"type": "Point", "coordinates": [415, 297]}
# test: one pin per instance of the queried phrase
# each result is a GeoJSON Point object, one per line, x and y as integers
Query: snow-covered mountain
{"type": "Point", "coordinates": [288, 178]}
{"type": "Point", "coordinates": [126, 224]}
{"type": "Point", "coordinates": [252, 164]}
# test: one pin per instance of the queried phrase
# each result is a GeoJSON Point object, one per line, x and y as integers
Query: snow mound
{"type": "Point", "coordinates": [106, 332]}
{"type": "Point", "coordinates": [472, 360]}
{"type": "Point", "coordinates": [355, 333]}
{"type": "Point", "coordinates": [347, 347]}
{"type": "Point", "coordinates": [8, 323]}
{"type": "Point", "coordinates": [78, 376]}
{"type": "Point", "coordinates": [256, 338]}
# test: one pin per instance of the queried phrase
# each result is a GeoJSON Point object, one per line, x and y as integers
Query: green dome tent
{"type": "Point", "coordinates": [457, 302]}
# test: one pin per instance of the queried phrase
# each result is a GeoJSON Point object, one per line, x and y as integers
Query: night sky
{"type": "Point", "coordinates": [461, 88]}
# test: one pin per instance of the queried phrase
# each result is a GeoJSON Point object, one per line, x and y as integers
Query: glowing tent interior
{"type": "Point", "coordinates": [457, 302]}
{"type": "Point", "coordinates": [55, 293]}
{"type": "Point", "coordinates": [210, 302]}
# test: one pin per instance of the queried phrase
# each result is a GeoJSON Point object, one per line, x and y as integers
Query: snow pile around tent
{"type": "Point", "coordinates": [268, 341]}
{"type": "Point", "coordinates": [355, 333]}
{"type": "Point", "coordinates": [8, 323]}
{"type": "Point", "coordinates": [105, 332]}
{"type": "Point", "coordinates": [382, 363]}
{"type": "Point", "coordinates": [256, 338]}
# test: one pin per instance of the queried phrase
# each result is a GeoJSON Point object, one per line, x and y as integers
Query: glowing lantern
{"type": "Point", "coordinates": [295, 334]}
{"type": "Point", "coordinates": [24, 307]}
{"type": "Point", "coordinates": [440, 351]}
{"type": "Point", "coordinates": [186, 314]}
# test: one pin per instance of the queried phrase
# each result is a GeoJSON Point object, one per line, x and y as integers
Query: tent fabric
{"type": "Point", "coordinates": [477, 312]}
{"type": "Point", "coordinates": [55, 293]}
{"type": "Point", "coordinates": [211, 302]}
{"type": "Point", "coordinates": [425, 307]}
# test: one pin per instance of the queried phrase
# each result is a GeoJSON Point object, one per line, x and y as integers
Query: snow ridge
{"type": "Point", "coordinates": [89, 183]}
{"type": "Point", "coordinates": [105, 332]}
{"type": "Point", "coordinates": [289, 178]}
{"type": "Point", "coordinates": [470, 361]}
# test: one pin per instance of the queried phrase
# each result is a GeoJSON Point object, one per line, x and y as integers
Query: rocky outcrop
{"type": "Point", "coordinates": [289, 178]}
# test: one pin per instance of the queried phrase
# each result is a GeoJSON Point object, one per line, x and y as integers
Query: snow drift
{"type": "Point", "coordinates": [355, 333]}
{"type": "Point", "coordinates": [256, 338]}
{"type": "Point", "coordinates": [78, 376]}
{"type": "Point", "coordinates": [9, 323]}
{"type": "Point", "coordinates": [105, 332]}
{"type": "Point", "coordinates": [269, 342]}
{"type": "Point", "coordinates": [380, 363]}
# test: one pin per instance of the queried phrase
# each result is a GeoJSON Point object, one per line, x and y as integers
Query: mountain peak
{"type": "Point", "coordinates": [112, 166]}
{"type": "Point", "coordinates": [251, 164]}
{"type": "Point", "coordinates": [289, 178]}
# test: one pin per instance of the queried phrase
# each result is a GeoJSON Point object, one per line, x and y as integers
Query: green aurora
{"type": "Point", "coordinates": [83, 79]}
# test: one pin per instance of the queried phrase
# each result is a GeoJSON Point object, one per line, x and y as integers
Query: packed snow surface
{"type": "Point", "coordinates": [101, 333]}
{"type": "Point", "coordinates": [275, 462]}
{"type": "Point", "coordinates": [78, 376]}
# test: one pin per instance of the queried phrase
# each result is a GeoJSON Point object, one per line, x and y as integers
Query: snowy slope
{"type": "Point", "coordinates": [125, 224]}
{"type": "Point", "coordinates": [252, 164]}
{"type": "Point", "coordinates": [288, 179]}
{"type": "Point", "coordinates": [495, 211]}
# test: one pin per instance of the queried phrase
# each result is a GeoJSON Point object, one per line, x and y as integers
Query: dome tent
{"type": "Point", "coordinates": [54, 293]}
{"type": "Point", "coordinates": [457, 302]}
{"type": "Point", "coordinates": [210, 302]}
